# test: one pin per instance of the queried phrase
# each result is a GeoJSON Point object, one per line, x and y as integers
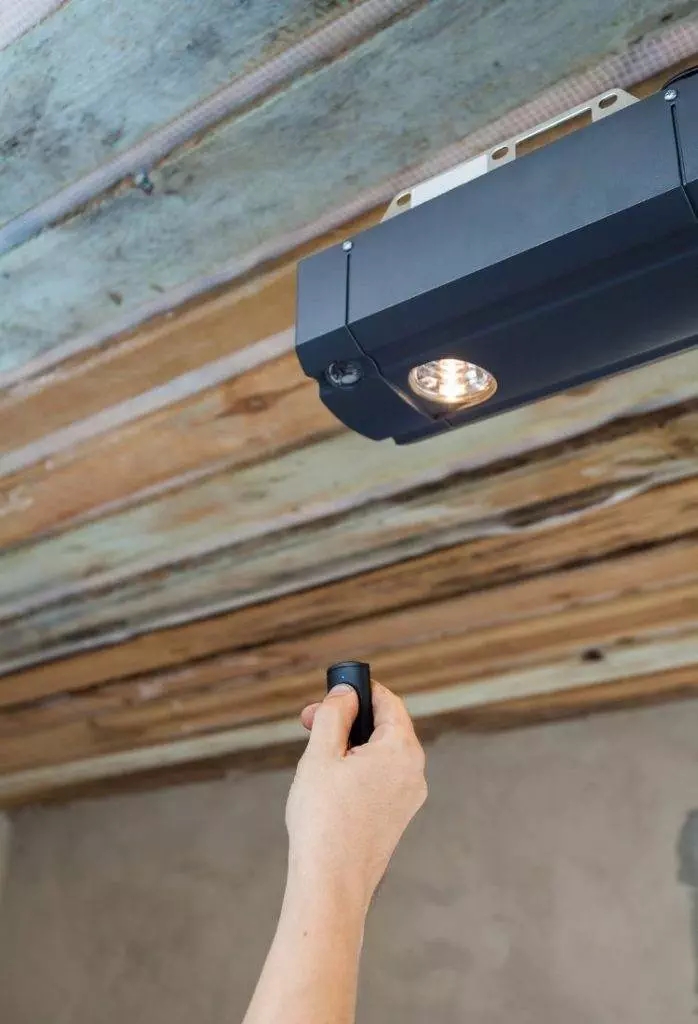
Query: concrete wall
{"type": "Point", "coordinates": [5, 829]}
{"type": "Point", "coordinates": [552, 878]}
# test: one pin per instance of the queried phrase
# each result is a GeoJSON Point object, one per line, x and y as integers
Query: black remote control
{"type": "Point", "coordinates": [358, 675]}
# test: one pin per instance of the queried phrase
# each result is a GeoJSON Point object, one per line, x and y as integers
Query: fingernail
{"type": "Point", "coordinates": [341, 688]}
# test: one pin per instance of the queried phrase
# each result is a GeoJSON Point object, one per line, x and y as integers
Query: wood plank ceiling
{"type": "Point", "coordinates": [187, 537]}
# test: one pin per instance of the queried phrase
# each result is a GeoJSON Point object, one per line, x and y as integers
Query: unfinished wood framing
{"type": "Point", "coordinates": [182, 548]}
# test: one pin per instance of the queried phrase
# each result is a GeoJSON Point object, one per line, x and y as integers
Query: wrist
{"type": "Point", "coordinates": [329, 887]}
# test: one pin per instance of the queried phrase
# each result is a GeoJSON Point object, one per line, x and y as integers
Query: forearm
{"type": "Point", "coordinates": [345, 814]}
{"type": "Point", "coordinates": [310, 975]}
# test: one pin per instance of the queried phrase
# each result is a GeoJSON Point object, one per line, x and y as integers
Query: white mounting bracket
{"type": "Point", "coordinates": [592, 110]}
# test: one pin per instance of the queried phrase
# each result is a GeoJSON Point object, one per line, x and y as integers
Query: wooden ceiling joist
{"type": "Point", "coordinates": [631, 611]}
{"type": "Point", "coordinates": [187, 537]}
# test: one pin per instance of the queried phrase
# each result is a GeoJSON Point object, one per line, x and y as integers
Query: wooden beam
{"type": "Point", "coordinates": [553, 557]}
{"type": "Point", "coordinates": [178, 440]}
{"type": "Point", "coordinates": [254, 746]}
{"type": "Point", "coordinates": [550, 544]}
{"type": "Point", "coordinates": [64, 586]}
{"type": "Point", "coordinates": [44, 404]}
{"type": "Point", "coordinates": [256, 307]}
{"type": "Point", "coordinates": [265, 413]}
{"type": "Point", "coordinates": [18, 18]}
{"type": "Point", "coordinates": [147, 66]}
{"type": "Point", "coordinates": [259, 415]}
{"type": "Point", "coordinates": [140, 453]}
{"type": "Point", "coordinates": [95, 779]}
{"type": "Point", "coordinates": [125, 244]}
{"type": "Point", "coordinates": [647, 603]}
{"type": "Point", "coordinates": [316, 627]}
{"type": "Point", "coordinates": [630, 692]}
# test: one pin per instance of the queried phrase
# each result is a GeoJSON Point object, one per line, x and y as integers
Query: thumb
{"type": "Point", "coordinates": [333, 721]}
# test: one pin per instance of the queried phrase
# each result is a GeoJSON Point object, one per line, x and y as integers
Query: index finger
{"type": "Point", "coordinates": [389, 711]}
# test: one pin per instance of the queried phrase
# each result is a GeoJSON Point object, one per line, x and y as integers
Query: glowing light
{"type": "Point", "coordinates": [452, 382]}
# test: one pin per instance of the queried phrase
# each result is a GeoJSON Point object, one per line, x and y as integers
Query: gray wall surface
{"type": "Point", "coordinates": [551, 878]}
{"type": "Point", "coordinates": [5, 830]}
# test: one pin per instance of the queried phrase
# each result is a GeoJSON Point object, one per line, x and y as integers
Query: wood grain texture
{"type": "Point", "coordinates": [105, 75]}
{"type": "Point", "coordinates": [47, 404]}
{"type": "Point", "coordinates": [388, 610]}
{"type": "Point", "coordinates": [198, 217]}
{"type": "Point", "coordinates": [263, 413]}
{"type": "Point", "coordinates": [19, 16]}
{"type": "Point", "coordinates": [471, 568]}
{"type": "Point", "coordinates": [590, 688]}
{"type": "Point", "coordinates": [259, 415]}
{"type": "Point", "coordinates": [187, 539]}
{"type": "Point", "coordinates": [215, 755]}
{"type": "Point", "coordinates": [249, 311]}
{"type": "Point", "coordinates": [299, 520]}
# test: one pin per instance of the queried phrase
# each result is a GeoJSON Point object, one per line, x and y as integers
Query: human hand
{"type": "Point", "coordinates": [347, 809]}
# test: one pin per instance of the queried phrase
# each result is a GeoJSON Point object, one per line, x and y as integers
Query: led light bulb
{"type": "Point", "coordinates": [452, 382]}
